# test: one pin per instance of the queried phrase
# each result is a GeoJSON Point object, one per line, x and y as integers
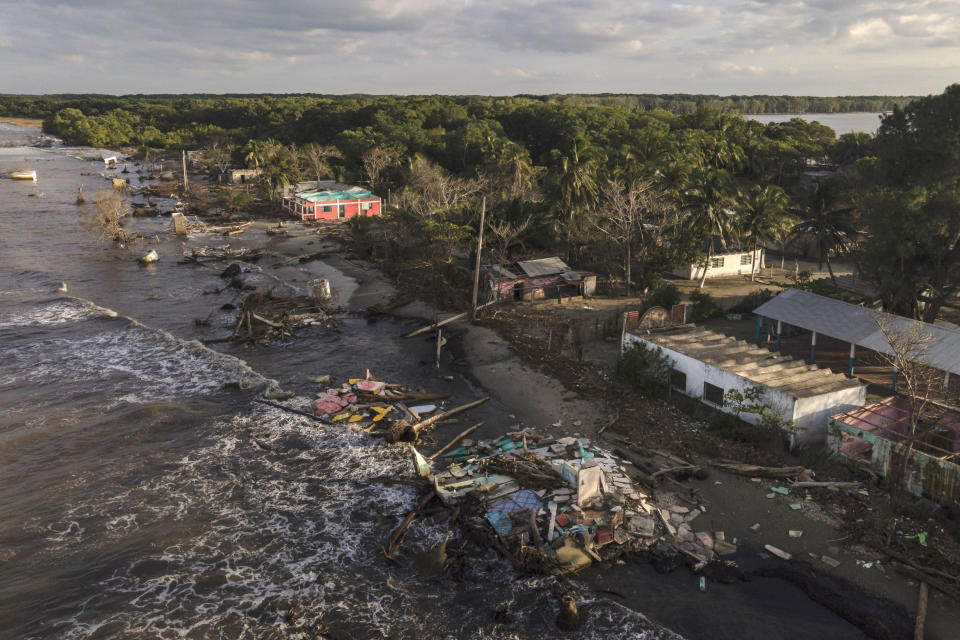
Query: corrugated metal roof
{"type": "Point", "coordinates": [774, 370]}
{"type": "Point", "coordinates": [543, 266]}
{"type": "Point", "coordinates": [859, 325]}
{"type": "Point", "coordinates": [332, 195]}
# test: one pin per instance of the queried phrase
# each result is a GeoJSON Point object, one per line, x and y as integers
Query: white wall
{"type": "Point", "coordinates": [811, 414]}
{"type": "Point", "coordinates": [731, 266]}
{"type": "Point", "coordinates": [698, 372]}
{"type": "Point", "coordinates": [808, 414]}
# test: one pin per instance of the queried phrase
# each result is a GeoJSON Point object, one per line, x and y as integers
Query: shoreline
{"type": "Point", "coordinates": [21, 122]}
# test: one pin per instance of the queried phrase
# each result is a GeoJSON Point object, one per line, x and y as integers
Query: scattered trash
{"type": "Point", "coordinates": [781, 490]}
{"type": "Point", "coordinates": [780, 553]}
{"type": "Point", "coordinates": [703, 583]}
{"type": "Point", "coordinates": [755, 527]}
{"type": "Point", "coordinates": [794, 533]}
{"type": "Point", "coordinates": [149, 257]}
{"type": "Point", "coordinates": [796, 506]}
{"type": "Point", "coordinates": [830, 561]}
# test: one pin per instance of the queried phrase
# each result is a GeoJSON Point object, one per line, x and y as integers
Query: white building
{"type": "Point", "coordinates": [724, 263]}
{"type": "Point", "coordinates": [707, 365]}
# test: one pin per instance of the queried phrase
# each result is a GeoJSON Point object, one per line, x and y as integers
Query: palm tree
{"type": "Point", "coordinates": [578, 189]}
{"type": "Point", "coordinates": [707, 197]}
{"type": "Point", "coordinates": [824, 220]}
{"type": "Point", "coordinates": [762, 210]}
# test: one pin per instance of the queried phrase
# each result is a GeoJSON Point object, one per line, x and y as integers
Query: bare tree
{"type": "Point", "coordinates": [375, 161]}
{"type": "Point", "coordinates": [907, 352]}
{"type": "Point", "coordinates": [505, 234]}
{"type": "Point", "coordinates": [430, 190]}
{"type": "Point", "coordinates": [219, 155]}
{"type": "Point", "coordinates": [634, 216]}
{"type": "Point", "coordinates": [316, 159]}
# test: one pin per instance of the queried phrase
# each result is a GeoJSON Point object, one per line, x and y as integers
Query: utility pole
{"type": "Point", "coordinates": [184, 158]}
{"type": "Point", "coordinates": [476, 269]}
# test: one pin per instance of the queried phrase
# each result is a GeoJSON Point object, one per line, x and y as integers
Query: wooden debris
{"type": "Point", "coordinates": [758, 471]}
{"type": "Point", "coordinates": [457, 439]}
{"type": "Point", "coordinates": [396, 538]}
{"type": "Point", "coordinates": [403, 430]}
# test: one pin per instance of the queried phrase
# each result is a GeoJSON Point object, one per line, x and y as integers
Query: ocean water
{"type": "Point", "coordinates": [840, 122]}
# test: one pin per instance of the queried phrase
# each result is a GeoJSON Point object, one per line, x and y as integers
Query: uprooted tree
{"type": "Point", "coordinates": [110, 210]}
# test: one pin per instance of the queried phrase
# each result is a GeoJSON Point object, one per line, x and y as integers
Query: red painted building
{"type": "Point", "coordinates": [332, 201]}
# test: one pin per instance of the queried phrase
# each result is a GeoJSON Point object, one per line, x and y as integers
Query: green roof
{"type": "Point", "coordinates": [353, 193]}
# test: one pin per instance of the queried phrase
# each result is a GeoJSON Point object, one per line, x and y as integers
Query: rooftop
{"type": "Point", "coordinates": [774, 370]}
{"type": "Point", "coordinates": [860, 325]}
{"type": "Point", "coordinates": [331, 191]}
{"type": "Point", "coordinates": [533, 269]}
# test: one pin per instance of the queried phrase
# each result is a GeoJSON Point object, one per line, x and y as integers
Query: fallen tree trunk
{"type": "Point", "coordinates": [756, 470]}
{"type": "Point", "coordinates": [838, 485]}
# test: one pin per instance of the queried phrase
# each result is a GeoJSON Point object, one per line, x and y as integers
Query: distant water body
{"type": "Point", "coordinates": [839, 122]}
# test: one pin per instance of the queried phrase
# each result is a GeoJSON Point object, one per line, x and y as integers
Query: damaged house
{"type": "Point", "coordinates": [707, 365]}
{"type": "Point", "coordinates": [537, 279]}
{"type": "Point", "coordinates": [878, 436]}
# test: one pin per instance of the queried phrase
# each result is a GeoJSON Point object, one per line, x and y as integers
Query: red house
{"type": "Point", "coordinates": [332, 201]}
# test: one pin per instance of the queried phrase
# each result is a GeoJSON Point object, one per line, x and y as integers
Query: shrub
{"type": "Point", "coordinates": [666, 296]}
{"type": "Point", "coordinates": [645, 368]}
{"type": "Point", "coordinates": [704, 306]}
{"type": "Point", "coordinates": [752, 301]}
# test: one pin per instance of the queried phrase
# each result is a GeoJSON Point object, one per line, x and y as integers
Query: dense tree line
{"type": "Point", "coordinates": [625, 185]}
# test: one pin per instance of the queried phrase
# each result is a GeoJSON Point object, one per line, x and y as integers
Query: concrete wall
{"type": "Point", "coordinates": [812, 414]}
{"type": "Point", "coordinates": [731, 266]}
{"type": "Point", "coordinates": [698, 372]}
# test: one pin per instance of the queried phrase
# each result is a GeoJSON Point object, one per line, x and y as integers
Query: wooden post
{"type": "Point", "coordinates": [853, 355]}
{"type": "Point", "coordinates": [921, 612]}
{"type": "Point", "coordinates": [439, 344]}
{"type": "Point", "coordinates": [476, 268]}
{"type": "Point", "coordinates": [184, 158]}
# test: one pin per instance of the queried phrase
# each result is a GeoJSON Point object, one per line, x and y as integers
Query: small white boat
{"type": "Point", "coordinates": [25, 174]}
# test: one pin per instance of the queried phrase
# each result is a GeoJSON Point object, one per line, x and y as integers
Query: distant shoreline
{"type": "Point", "coordinates": [22, 122]}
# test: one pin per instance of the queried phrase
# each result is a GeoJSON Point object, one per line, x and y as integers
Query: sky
{"type": "Point", "coordinates": [491, 47]}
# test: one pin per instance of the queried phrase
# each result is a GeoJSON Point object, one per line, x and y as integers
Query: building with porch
{"type": "Point", "coordinates": [724, 263]}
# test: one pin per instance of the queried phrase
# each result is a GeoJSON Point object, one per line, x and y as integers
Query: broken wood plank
{"type": "Point", "coordinates": [756, 470]}
{"type": "Point", "coordinates": [920, 576]}
{"type": "Point", "coordinates": [457, 439]}
{"type": "Point", "coordinates": [275, 325]}
{"type": "Point", "coordinates": [290, 409]}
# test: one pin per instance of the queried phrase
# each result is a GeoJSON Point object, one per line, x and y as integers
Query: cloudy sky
{"type": "Point", "coordinates": [800, 47]}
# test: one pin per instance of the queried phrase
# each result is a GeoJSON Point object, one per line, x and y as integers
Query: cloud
{"type": "Point", "coordinates": [458, 45]}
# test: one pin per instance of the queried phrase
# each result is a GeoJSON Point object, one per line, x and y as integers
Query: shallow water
{"type": "Point", "coordinates": [144, 495]}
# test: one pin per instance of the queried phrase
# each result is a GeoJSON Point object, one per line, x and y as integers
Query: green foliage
{"type": "Point", "coordinates": [752, 300]}
{"type": "Point", "coordinates": [704, 306]}
{"type": "Point", "coordinates": [667, 296]}
{"type": "Point", "coordinates": [647, 369]}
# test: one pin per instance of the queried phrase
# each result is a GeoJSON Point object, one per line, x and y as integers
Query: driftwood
{"type": "Point", "coordinates": [396, 538]}
{"type": "Point", "coordinates": [757, 471]}
{"type": "Point", "coordinates": [436, 325]}
{"type": "Point", "coordinates": [457, 439]}
{"type": "Point", "coordinates": [608, 424]}
{"type": "Point", "coordinates": [401, 429]}
{"type": "Point", "coordinates": [942, 586]}
{"type": "Point", "coordinates": [290, 409]}
{"type": "Point", "coordinates": [838, 485]}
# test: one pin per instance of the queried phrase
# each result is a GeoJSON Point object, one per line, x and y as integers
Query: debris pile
{"type": "Point", "coordinates": [213, 254]}
{"type": "Point", "coordinates": [266, 316]}
{"type": "Point", "coordinates": [558, 505]}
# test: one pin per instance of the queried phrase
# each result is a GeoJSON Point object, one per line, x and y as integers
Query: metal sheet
{"type": "Point", "coordinates": [859, 325]}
